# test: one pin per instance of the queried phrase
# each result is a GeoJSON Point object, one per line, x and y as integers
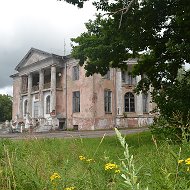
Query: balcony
{"type": "Point", "coordinates": [35, 88]}
{"type": "Point", "coordinates": [24, 90]}
{"type": "Point", "coordinates": [47, 85]}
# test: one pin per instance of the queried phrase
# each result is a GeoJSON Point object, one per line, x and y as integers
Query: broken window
{"type": "Point", "coordinates": [76, 72]}
{"type": "Point", "coordinates": [128, 79]}
{"type": "Point", "coordinates": [129, 102]}
{"type": "Point", "coordinates": [24, 84]}
{"type": "Point", "coordinates": [107, 101]}
{"type": "Point", "coordinates": [76, 101]}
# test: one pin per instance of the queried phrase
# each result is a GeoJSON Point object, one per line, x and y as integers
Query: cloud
{"type": "Point", "coordinates": [7, 90]}
{"type": "Point", "coordinates": [42, 24]}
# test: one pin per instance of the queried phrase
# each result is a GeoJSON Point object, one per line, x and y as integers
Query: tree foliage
{"type": "Point", "coordinates": [5, 107]}
{"type": "Point", "coordinates": [154, 31]}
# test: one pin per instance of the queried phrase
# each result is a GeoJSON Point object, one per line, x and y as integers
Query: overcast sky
{"type": "Point", "coordinates": [42, 24]}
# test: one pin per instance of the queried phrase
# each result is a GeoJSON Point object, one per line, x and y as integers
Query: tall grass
{"type": "Point", "coordinates": [29, 164]}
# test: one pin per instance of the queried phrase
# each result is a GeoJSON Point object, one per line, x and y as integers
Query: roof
{"type": "Point", "coordinates": [30, 53]}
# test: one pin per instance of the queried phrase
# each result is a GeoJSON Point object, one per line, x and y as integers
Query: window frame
{"type": "Point", "coordinates": [75, 72]}
{"type": "Point", "coordinates": [129, 102]}
{"type": "Point", "coordinates": [76, 101]}
{"type": "Point", "coordinates": [107, 101]}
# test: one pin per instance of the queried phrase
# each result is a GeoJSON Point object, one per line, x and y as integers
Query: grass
{"type": "Point", "coordinates": [28, 164]}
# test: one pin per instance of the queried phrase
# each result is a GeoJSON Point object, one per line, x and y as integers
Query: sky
{"type": "Point", "coordinates": [41, 24]}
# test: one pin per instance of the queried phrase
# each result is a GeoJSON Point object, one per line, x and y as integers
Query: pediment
{"type": "Point", "coordinates": [33, 56]}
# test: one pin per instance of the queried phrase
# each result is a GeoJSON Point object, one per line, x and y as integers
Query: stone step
{"type": "Point", "coordinates": [44, 128]}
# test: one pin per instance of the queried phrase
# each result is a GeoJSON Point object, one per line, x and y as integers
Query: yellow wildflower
{"type": "Point", "coordinates": [180, 161]}
{"type": "Point", "coordinates": [69, 188]}
{"type": "Point", "coordinates": [110, 166]}
{"type": "Point", "coordinates": [89, 160]}
{"type": "Point", "coordinates": [82, 158]}
{"type": "Point", "coordinates": [117, 171]}
{"type": "Point", "coordinates": [188, 169]}
{"type": "Point", "coordinates": [187, 161]}
{"type": "Point", "coordinates": [55, 176]}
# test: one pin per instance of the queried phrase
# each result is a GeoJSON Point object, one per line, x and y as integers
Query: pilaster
{"type": "Point", "coordinates": [29, 94]}
{"type": "Point", "coordinates": [53, 87]}
{"type": "Point", "coordinates": [41, 96]}
{"type": "Point", "coordinates": [139, 100]}
{"type": "Point", "coordinates": [119, 99]}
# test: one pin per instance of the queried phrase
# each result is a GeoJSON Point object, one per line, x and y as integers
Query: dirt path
{"type": "Point", "coordinates": [70, 134]}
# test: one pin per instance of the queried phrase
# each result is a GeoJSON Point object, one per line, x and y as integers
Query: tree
{"type": "Point", "coordinates": [154, 31]}
{"type": "Point", "coordinates": [5, 107]}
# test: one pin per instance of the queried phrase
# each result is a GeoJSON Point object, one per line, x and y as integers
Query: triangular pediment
{"type": "Point", "coordinates": [33, 56]}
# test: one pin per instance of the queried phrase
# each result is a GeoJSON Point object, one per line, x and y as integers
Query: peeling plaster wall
{"type": "Point", "coordinates": [104, 120]}
{"type": "Point", "coordinates": [85, 118]}
{"type": "Point", "coordinates": [16, 97]}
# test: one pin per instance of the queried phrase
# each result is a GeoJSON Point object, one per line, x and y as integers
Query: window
{"type": "Point", "coordinates": [76, 101]}
{"type": "Point", "coordinates": [76, 72]}
{"type": "Point", "coordinates": [145, 103]}
{"type": "Point", "coordinates": [36, 109]}
{"type": "Point", "coordinates": [128, 79]}
{"type": "Point", "coordinates": [48, 104]}
{"type": "Point", "coordinates": [129, 102]}
{"type": "Point", "coordinates": [25, 107]}
{"type": "Point", "coordinates": [107, 101]}
{"type": "Point", "coordinates": [107, 75]}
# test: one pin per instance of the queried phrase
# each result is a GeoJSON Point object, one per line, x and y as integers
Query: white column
{"type": "Point", "coordinates": [119, 99]}
{"type": "Point", "coordinates": [53, 87]}
{"type": "Point", "coordinates": [21, 107]}
{"type": "Point", "coordinates": [41, 95]}
{"type": "Point", "coordinates": [139, 102]}
{"type": "Point", "coordinates": [20, 110]}
{"type": "Point", "coordinates": [29, 94]}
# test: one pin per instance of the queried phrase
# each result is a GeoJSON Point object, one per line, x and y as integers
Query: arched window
{"type": "Point", "coordinates": [129, 102]}
{"type": "Point", "coordinates": [48, 104]}
{"type": "Point", "coordinates": [25, 107]}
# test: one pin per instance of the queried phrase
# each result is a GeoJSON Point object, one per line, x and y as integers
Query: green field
{"type": "Point", "coordinates": [29, 164]}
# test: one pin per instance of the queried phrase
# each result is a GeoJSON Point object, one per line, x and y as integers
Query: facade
{"type": "Point", "coordinates": [51, 90]}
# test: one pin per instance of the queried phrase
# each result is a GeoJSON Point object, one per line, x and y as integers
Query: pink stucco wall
{"type": "Point", "coordinates": [16, 96]}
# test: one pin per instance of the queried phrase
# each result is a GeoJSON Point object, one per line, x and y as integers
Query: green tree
{"type": "Point", "coordinates": [154, 31]}
{"type": "Point", "coordinates": [5, 107]}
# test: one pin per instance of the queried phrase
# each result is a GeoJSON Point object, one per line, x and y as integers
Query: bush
{"type": "Point", "coordinates": [162, 130]}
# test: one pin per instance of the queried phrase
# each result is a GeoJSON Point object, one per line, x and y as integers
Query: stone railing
{"type": "Point", "coordinates": [35, 88]}
{"type": "Point", "coordinates": [24, 90]}
{"type": "Point", "coordinates": [47, 85]}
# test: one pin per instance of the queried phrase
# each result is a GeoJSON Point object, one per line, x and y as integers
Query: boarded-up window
{"type": "Point", "coordinates": [76, 101]}
{"type": "Point", "coordinates": [76, 72]}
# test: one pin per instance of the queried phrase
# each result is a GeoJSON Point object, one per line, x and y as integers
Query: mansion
{"type": "Point", "coordinates": [54, 92]}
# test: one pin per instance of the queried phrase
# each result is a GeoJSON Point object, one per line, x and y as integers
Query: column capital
{"type": "Point", "coordinates": [53, 65]}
